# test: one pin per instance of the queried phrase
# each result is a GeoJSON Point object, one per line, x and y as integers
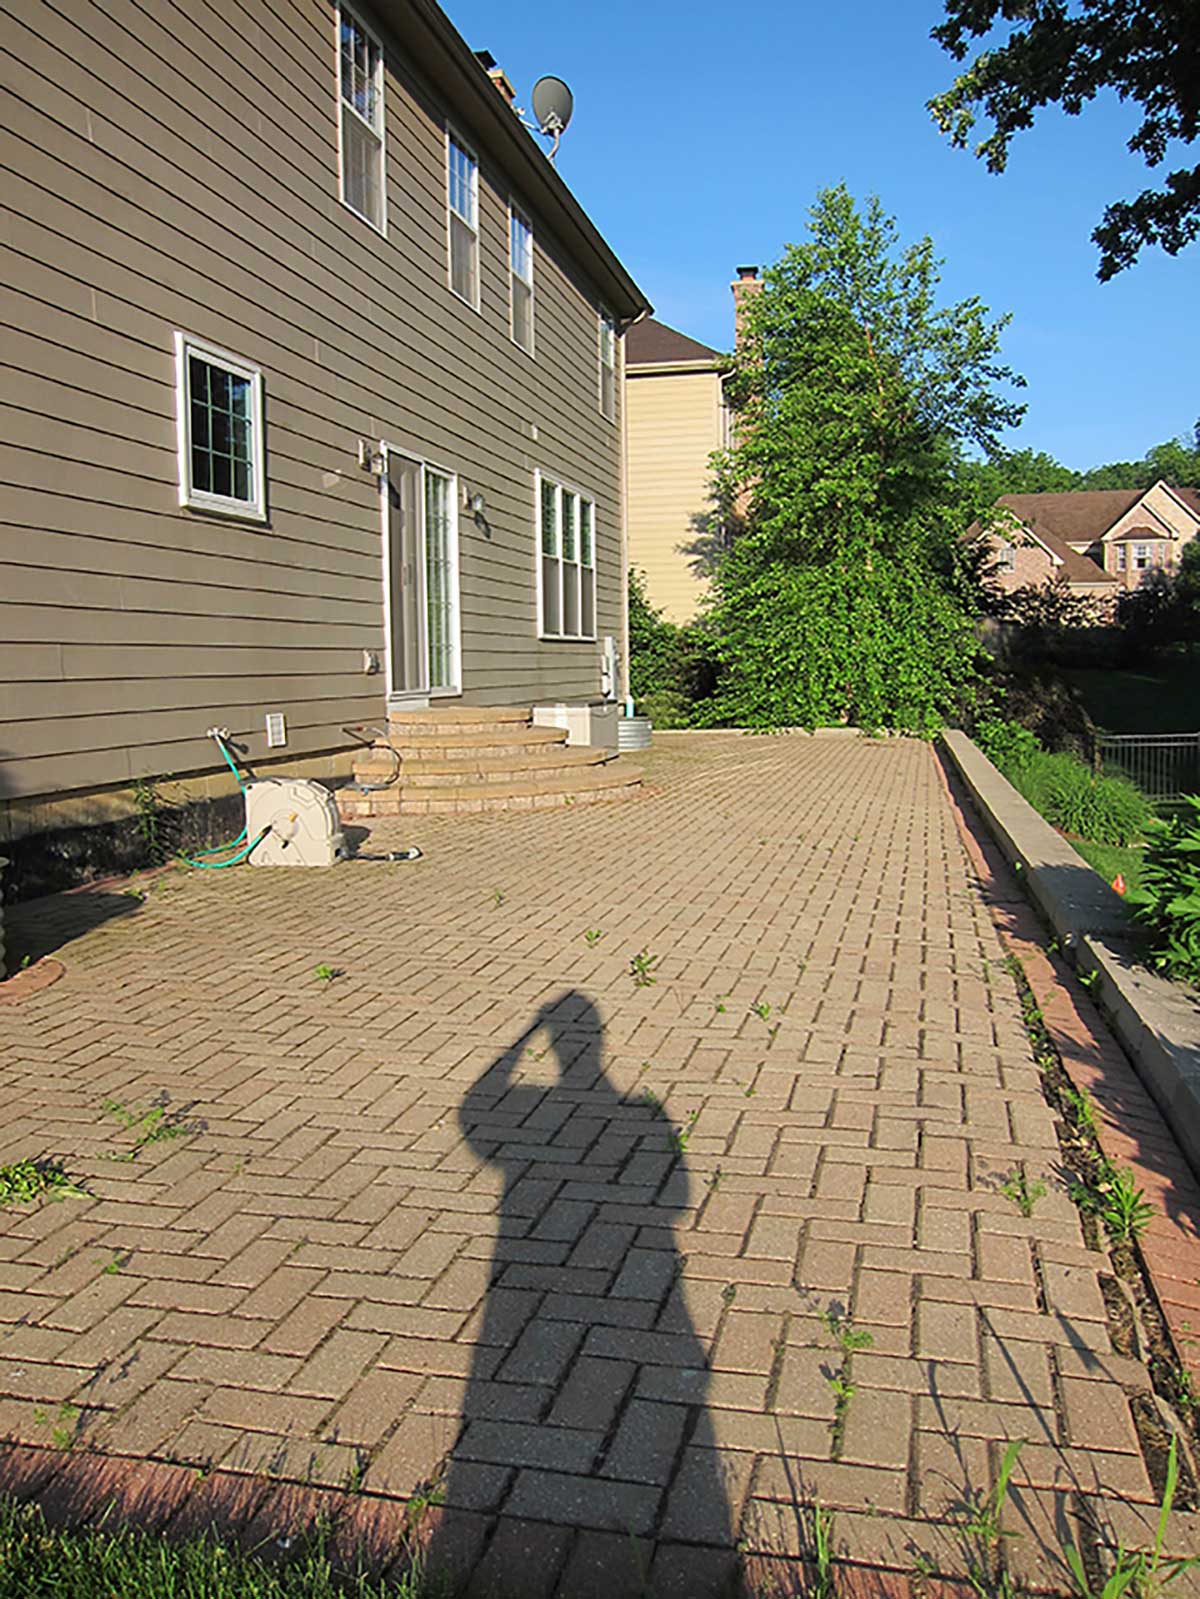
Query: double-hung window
{"type": "Point", "coordinates": [1121, 557]}
{"type": "Point", "coordinates": [1141, 556]}
{"type": "Point", "coordinates": [1006, 557]}
{"type": "Point", "coordinates": [219, 420]}
{"type": "Point", "coordinates": [608, 366]}
{"type": "Point", "coordinates": [463, 181]}
{"type": "Point", "coordinates": [360, 112]}
{"type": "Point", "coordinates": [566, 562]}
{"type": "Point", "coordinates": [520, 256]}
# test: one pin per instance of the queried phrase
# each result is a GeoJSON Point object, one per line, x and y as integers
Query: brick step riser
{"type": "Point", "coordinates": [377, 807]}
{"type": "Point", "coordinates": [474, 776]}
{"type": "Point", "coordinates": [432, 751]}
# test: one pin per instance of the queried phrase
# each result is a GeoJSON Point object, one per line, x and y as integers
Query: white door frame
{"type": "Point", "coordinates": [420, 698]}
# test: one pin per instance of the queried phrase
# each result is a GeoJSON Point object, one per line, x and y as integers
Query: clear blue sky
{"type": "Point", "coordinates": [702, 133]}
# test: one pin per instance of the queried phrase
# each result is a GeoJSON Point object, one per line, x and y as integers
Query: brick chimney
{"type": "Point", "coordinates": [488, 62]}
{"type": "Point", "coordinates": [744, 285]}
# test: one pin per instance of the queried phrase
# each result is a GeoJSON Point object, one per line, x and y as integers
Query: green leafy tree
{"type": "Point", "coordinates": [848, 594]}
{"type": "Point", "coordinates": [653, 643]}
{"type": "Point", "coordinates": [1064, 52]}
{"type": "Point", "coordinates": [1020, 472]}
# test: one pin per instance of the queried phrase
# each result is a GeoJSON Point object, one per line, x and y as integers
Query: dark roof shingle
{"type": "Point", "coordinates": [649, 342]}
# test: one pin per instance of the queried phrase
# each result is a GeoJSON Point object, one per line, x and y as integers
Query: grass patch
{"type": "Point", "coordinates": [1109, 859]}
{"type": "Point", "coordinates": [96, 1563]}
{"type": "Point", "coordinates": [1161, 700]}
{"type": "Point", "coordinates": [26, 1180]}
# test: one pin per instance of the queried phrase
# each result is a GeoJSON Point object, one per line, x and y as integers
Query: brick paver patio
{"type": "Point", "coordinates": [484, 1222]}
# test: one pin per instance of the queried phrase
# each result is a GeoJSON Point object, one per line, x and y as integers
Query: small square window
{"type": "Point", "coordinates": [608, 366]}
{"type": "Point", "coordinates": [520, 245]}
{"type": "Point", "coordinates": [566, 562]}
{"type": "Point", "coordinates": [463, 197]}
{"type": "Point", "coordinates": [219, 418]}
{"type": "Point", "coordinates": [360, 113]}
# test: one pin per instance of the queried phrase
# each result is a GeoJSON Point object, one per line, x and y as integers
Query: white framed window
{"type": "Point", "coordinates": [219, 423]}
{"type": "Point", "coordinates": [462, 182]}
{"type": "Point", "coordinates": [1121, 558]}
{"type": "Point", "coordinates": [361, 154]}
{"type": "Point", "coordinates": [566, 539]}
{"type": "Point", "coordinates": [520, 261]}
{"type": "Point", "coordinates": [608, 366]}
{"type": "Point", "coordinates": [1141, 556]}
{"type": "Point", "coordinates": [1006, 556]}
{"type": "Point", "coordinates": [441, 582]}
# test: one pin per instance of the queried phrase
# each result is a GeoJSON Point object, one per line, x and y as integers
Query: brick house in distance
{"type": "Point", "coordinates": [1103, 542]}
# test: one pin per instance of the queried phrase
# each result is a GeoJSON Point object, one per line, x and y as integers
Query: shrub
{"type": "Point", "coordinates": [1103, 810]}
{"type": "Point", "coordinates": [1007, 744]}
{"type": "Point", "coordinates": [1169, 902]}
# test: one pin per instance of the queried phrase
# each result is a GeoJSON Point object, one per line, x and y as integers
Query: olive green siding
{"type": "Point", "coordinates": [176, 167]}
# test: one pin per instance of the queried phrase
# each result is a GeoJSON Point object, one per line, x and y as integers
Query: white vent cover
{"type": "Point", "coordinates": [276, 730]}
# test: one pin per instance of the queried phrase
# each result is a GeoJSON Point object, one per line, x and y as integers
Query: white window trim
{"type": "Point", "coordinates": [454, 137]}
{"type": "Point", "coordinates": [514, 210]}
{"type": "Point", "coordinates": [422, 696]}
{"type": "Point", "coordinates": [254, 510]}
{"type": "Point", "coordinates": [563, 487]}
{"type": "Point", "coordinates": [603, 319]}
{"type": "Point", "coordinates": [379, 227]}
{"type": "Point", "coordinates": [1006, 556]}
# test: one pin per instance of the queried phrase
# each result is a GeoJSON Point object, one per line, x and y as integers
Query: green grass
{"type": "Point", "coordinates": [1165, 699]}
{"type": "Point", "coordinates": [37, 1562]}
{"type": "Point", "coordinates": [1109, 859]}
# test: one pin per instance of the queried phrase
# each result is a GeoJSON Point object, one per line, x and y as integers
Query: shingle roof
{"type": "Point", "coordinates": [649, 342]}
{"type": "Point", "coordinates": [1083, 514]}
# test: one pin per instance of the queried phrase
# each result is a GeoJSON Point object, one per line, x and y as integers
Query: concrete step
{"type": "Point", "coordinates": [610, 781]}
{"type": "Point", "coordinates": [493, 768]}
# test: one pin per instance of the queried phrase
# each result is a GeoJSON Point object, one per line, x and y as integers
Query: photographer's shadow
{"type": "Point", "coordinates": [586, 1403]}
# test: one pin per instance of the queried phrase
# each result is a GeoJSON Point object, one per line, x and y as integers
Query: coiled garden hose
{"type": "Point", "coordinates": [233, 842]}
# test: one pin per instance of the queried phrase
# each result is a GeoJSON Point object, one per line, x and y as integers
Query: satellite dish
{"type": "Point", "coordinates": [552, 104]}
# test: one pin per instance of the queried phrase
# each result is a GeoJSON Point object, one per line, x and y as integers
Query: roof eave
{"type": "Point", "coordinates": [447, 60]}
{"type": "Point", "coordinates": [636, 369]}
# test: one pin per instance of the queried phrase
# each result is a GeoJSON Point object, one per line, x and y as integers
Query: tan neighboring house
{"type": "Point", "coordinates": [1101, 541]}
{"type": "Point", "coordinates": [675, 417]}
{"type": "Point", "coordinates": [312, 393]}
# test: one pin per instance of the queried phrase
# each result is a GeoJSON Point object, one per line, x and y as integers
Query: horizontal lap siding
{"type": "Point", "coordinates": [167, 168]}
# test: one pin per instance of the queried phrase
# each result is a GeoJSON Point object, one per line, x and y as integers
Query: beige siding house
{"type": "Point", "coordinates": [1101, 541]}
{"type": "Point", "coordinates": [311, 391]}
{"type": "Point", "coordinates": [675, 418]}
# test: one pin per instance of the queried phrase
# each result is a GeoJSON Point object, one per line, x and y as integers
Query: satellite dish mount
{"type": "Point", "coordinates": [552, 104]}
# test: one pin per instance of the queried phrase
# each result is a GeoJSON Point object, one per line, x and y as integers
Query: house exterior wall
{"type": "Point", "coordinates": [675, 420]}
{"type": "Point", "coordinates": [1170, 526]}
{"type": "Point", "coordinates": [1032, 566]}
{"type": "Point", "coordinates": [176, 168]}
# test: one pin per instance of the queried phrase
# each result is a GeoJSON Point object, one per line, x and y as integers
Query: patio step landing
{"type": "Point", "coordinates": [473, 758]}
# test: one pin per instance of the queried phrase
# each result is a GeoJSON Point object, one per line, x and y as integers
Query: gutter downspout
{"type": "Point", "coordinates": [624, 696]}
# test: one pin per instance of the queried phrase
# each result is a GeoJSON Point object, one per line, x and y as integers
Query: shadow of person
{"type": "Point", "coordinates": [585, 1407]}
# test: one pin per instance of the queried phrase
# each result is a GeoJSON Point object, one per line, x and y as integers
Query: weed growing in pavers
{"type": "Point", "coordinates": [821, 1530]}
{"type": "Point", "coordinates": [26, 1180]}
{"type": "Point", "coordinates": [114, 1265]}
{"type": "Point", "coordinates": [498, 897]}
{"type": "Point", "coordinates": [848, 1337]}
{"type": "Point", "coordinates": [1141, 1573]}
{"type": "Point", "coordinates": [424, 1499]}
{"type": "Point", "coordinates": [593, 935]}
{"type": "Point", "coordinates": [680, 1135]}
{"type": "Point", "coordinates": [62, 1425]}
{"type": "Point", "coordinates": [1023, 1193]}
{"type": "Point", "coordinates": [714, 1180]}
{"type": "Point", "coordinates": [729, 1293]}
{"type": "Point", "coordinates": [761, 1009]}
{"type": "Point", "coordinates": [650, 1100]}
{"type": "Point", "coordinates": [640, 968]}
{"type": "Point", "coordinates": [149, 1127]}
{"type": "Point", "coordinates": [720, 1006]}
{"type": "Point", "coordinates": [1125, 1212]}
{"type": "Point", "coordinates": [326, 974]}
{"type": "Point", "coordinates": [1090, 980]}
{"type": "Point", "coordinates": [1083, 1110]}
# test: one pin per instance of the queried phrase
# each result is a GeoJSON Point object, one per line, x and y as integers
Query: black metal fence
{"type": "Point", "coordinates": [1165, 766]}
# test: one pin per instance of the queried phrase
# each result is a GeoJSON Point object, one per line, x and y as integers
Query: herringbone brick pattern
{"type": "Point", "coordinates": [483, 1215]}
